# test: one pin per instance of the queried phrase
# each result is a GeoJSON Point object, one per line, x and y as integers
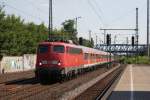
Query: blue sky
{"type": "Point", "coordinates": [95, 14]}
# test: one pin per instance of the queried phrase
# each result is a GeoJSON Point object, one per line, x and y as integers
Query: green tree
{"type": "Point", "coordinates": [88, 43]}
{"type": "Point", "coordinates": [68, 27]}
{"type": "Point", "coordinates": [18, 37]}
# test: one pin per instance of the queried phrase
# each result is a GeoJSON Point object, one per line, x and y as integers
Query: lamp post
{"type": "Point", "coordinates": [148, 46]}
{"type": "Point", "coordinates": [104, 36]}
{"type": "Point", "coordinates": [76, 23]}
{"type": "Point", "coordinates": [50, 27]}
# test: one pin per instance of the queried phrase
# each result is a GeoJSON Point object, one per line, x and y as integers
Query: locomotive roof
{"type": "Point", "coordinates": [85, 49]}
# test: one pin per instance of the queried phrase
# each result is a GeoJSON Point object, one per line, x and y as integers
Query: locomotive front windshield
{"type": "Point", "coordinates": [43, 49]}
{"type": "Point", "coordinates": [59, 49]}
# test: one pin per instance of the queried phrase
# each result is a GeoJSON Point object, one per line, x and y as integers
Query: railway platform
{"type": "Point", "coordinates": [134, 84]}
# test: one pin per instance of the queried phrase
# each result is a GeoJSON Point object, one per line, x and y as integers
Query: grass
{"type": "Point", "coordinates": [136, 60]}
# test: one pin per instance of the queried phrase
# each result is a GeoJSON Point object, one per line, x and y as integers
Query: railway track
{"type": "Point", "coordinates": [12, 87]}
{"type": "Point", "coordinates": [101, 89]}
{"type": "Point", "coordinates": [31, 89]}
{"type": "Point", "coordinates": [103, 94]}
{"type": "Point", "coordinates": [8, 77]}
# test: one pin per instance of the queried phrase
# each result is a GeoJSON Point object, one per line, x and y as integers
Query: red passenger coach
{"type": "Point", "coordinates": [57, 60]}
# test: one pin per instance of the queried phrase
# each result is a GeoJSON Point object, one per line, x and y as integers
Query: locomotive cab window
{"type": "Point", "coordinates": [43, 49]}
{"type": "Point", "coordinates": [59, 49]}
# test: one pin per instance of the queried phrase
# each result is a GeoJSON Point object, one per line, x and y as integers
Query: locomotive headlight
{"type": "Point", "coordinates": [40, 63]}
{"type": "Point", "coordinates": [59, 63]}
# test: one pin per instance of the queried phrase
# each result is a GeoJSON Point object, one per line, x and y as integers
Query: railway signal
{"type": "Point", "coordinates": [81, 41]}
{"type": "Point", "coordinates": [108, 37]}
{"type": "Point", "coordinates": [132, 40]}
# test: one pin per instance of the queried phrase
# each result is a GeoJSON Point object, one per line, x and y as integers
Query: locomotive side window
{"type": "Point", "coordinates": [59, 49]}
{"type": "Point", "coordinates": [43, 49]}
{"type": "Point", "coordinates": [74, 50]}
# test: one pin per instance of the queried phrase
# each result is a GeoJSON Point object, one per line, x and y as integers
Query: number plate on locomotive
{"type": "Point", "coordinates": [44, 62]}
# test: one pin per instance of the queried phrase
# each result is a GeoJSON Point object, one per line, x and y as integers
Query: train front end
{"type": "Point", "coordinates": [49, 64]}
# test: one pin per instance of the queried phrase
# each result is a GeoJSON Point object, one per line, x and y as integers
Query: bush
{"type": "Point", "coordinates": [137, 60]}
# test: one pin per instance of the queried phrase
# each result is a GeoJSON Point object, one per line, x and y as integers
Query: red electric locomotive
{"type": "Point", "coordinates": [56, 60]}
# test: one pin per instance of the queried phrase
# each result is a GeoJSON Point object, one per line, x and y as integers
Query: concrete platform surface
{"type": "Point", "coordinates": [133, 85]}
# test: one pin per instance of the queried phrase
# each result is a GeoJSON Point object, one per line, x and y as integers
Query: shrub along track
{"type": "Point", "coordinates": [31, 89]}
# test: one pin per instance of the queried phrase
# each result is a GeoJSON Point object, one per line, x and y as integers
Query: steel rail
{"type": "Point", "coordinates": [109, 85]}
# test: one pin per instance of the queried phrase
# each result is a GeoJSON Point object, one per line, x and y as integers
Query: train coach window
{"type": "Point", "coordinates": [99, 56]}
{"type": "Point", "coordinates": [58, 49]}
{"type": "Point", "coordinates": [43, 49]}
{"type": "Point", "coordinates": [86, 56]}
{"type": "Point", "coordinates": [106, 56]}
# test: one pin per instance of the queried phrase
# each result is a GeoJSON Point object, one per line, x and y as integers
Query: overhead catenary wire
{"type": "Point", "coordinates": [23, 12]}
{"type": "Point", "coordinates": [35, 6]}
{"type": "Point", "coordinates": [95, 11]}
{"type": "Point", "coordinates": [126, 14]}
{"type": "Point", "coordinates": [100, 11]}
{"type": "Point", "coordinates": [98, 6]}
